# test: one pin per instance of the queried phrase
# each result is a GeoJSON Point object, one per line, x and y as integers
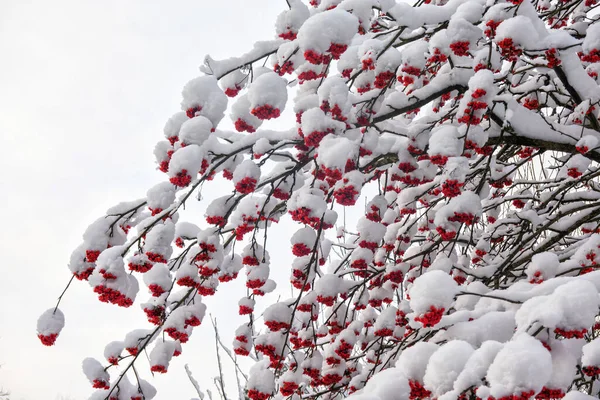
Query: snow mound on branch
{"type": "Point", "coordinates": [577, 395]}
{"type": "Point", "coordinates": [291, 20]}
{"type": "Point", "coordinates": [204, 93]}
{"type": "Point", "coordinates": [335, 152]}
{"type": "Point", "coordinates": [445, 365]}
{"type": "Point", "coordinates": [52, 321]}
{"type": "Point", "coordinates": [387, 384]}
{"type": "Point", "coordinates": [195, 130]}
{"type": "Point", "coordinates": [435, 288]}
{"type": "Point", "coordinates": [269, 89]}
{"type": "Point", "coordinates": [173, 125]}
{"type": "Point", "coordinates": [413, 361]}
{"type": "Point", "coordinates": [477, 366]}
{"type": "Point", "coordinates": [188, 158]}
{"type": "Point", "coordinates": [546, 263]}
{"type": "Point", "coordinates": [591, 353]}
{"type": "Point", "coordinates": [261, 379]}
{"type": "Point", "coordinates": [445, 141]}
{"type": "Point", "coordinates": [322, 30]}
{"type": "Point", "coordinates": [522, 365]}
{"type": "Point", "coordinates": [564, 366]}
{"type": "Point", "coordinates": [592, 38]}
{"type": "Point", "coordinates": [161, 196]}
{"type": "Point", "coordinates": [572, 306]}
{"type": "Point", "coordinates": [495, 325]}
{"type": "Point", "coordinates": [520, 29]}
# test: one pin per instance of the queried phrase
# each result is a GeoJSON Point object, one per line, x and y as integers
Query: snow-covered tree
{"type": "Point", "coordinates": [440, 182]}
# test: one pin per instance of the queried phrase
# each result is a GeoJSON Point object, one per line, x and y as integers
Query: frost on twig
{"type": "Point", "coordinates": [194, 382]}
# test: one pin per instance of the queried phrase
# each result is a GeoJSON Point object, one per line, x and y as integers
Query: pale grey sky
{"type": "Point", "coordinates": [85, 89]}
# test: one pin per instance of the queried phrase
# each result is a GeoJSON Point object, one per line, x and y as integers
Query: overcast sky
{"type": "Point", "coordinates": [85, 89]}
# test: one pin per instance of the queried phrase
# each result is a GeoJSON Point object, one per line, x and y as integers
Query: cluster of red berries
{"type": "Point", "coordinates": [288, 35]}
{"type": "Point", "coordinates": [300, 249]}
{"type": "Point", "coordinates": [243, 126]}
{"type": "Point", "coordinates": [593, 56]}
{"type": "Point", "coordinates": [246, 185]}
{"type": "Point", "coordinates": [383, 332]}
{"type": "Point", "coordinates": [526, 152]}
{"type": "Point", "coordinates": [309, 75]}
{"type": "Point", "coordinates": [113, 296]}
{"type": "Point", "coordinates": [531, 104]}
{"type": "Point", "coordinates": [571, 333]}
{"type": "Point", "coordinates": [84, 275]}
{"type": "Point", "coordinates": [336, 50]}
{"type": "Point", "coordinates": [547, 394]}
{"type": "Point", "coordinates": [374, 215]}
{"type": "Point", "coordinates": [154, 314]}
{"type": "Point", "coordinates": [417, 390]}
{"type": "Point", "coordinates": [490, 28]}
{"type": "Point", "coordinates": [551, 57]}
{"type": "Point", "coordinates": [315, 58]}
{"type": "Point", "coordinates": [463, 218]}
{"type": "Point", "coordinates": [156, 257]}
{"type": "Point", "coordinates": [164, 164]}
{"type": "Point", "coordinates": [431, 317]}
{"type": "Point", "coordinates": [326, 300]}
{"type": "Point", "coordinates": [368, 64]}
{"type": "Point", "coordinates": [451, 188]}
{"type": "Point", "coordinates": [437, 57]}
{"type": "Point", "coordinates": [181, 179]}
{"type": "Point", "coordinates": [175, 334]}
{"type": "Point", "coordinates": [314, 138]}
{"type": "Point", "coordinates": [231, 92]}
{"type": "Point", "coordinates": [245, 310]}
{"type": "Point", "coordinates": [48, 340]}
{"type": "Point", "coordinates": [461, 48]}
{"type": "Point", "coordinates": [269, 351]}
{"type": "Point", "coordinates": [286, 68]}
{"type": "Point", "coordinates": [383, 79]}
{"type": "Point", "coordinates": [346, 195]}
{"type": "Point", "coordinates": [247, 225]}
{"type": "Point", "coordinates": [574, 172]}
{"type": "Point", "coordinates": [518, 203]}
{"type": "Point", "coordinates": [591, 370]}
{"type": "Point", "coordinates": [288, 388]}
{"type": "Point", "coordinates": [330, 379]}
{"type": "Point", "coordinates": [522, 396]}
{"type": "Point", "coordinates": [92, 255]}
{"type": "Point", "coordinates": [299, 343]}
{"type": "Point", "coordinates": [241, 350]}
{"type": "Point", "coordinates": [299, 279]}
{"type": "Point", "coordinates": [474, 107]}
{"type": "Point", "coordinates": [265, 111]}
{"type": "Point", "coordinates": [100, 384]}
{"type": "Point", "coordinates": [191, 112]}
{"type": "Point", "coordinates": [364, 89]}
{"type": "Point", "coordinates": [335, 111]}
{"type": "Point", "coordinates": [394, 276]}
{"type": "Point", "coordinates": [344, 350]}
{"type": "Point", "coordinates": [276, 326]}
{"type": "Point", "coordinates": [509, 50]}
{"type": "Point", "coordinates": [537, 278]}
{"type": "Point", "coordinates": [439, 160]}
{"type": "Point", "coordinates": [255, 283]}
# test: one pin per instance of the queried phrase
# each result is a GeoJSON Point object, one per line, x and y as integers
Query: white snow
{"type": "Point", "coordinates": [434, 288]}
{"type": "Point", "coordinates": [322, 30]}
{"type": "Point", "coordinates": [523, 364]}
{"type": "Point", "coordinates": [205, 92]}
